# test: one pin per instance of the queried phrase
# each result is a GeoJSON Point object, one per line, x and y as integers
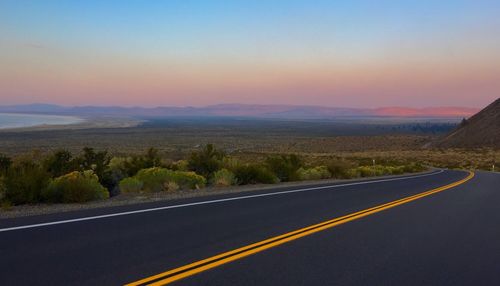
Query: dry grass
{"type": "Point", "coordinates": [253, 140]}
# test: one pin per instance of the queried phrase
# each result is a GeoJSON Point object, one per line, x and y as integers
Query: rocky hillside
{"type": "Point", "coordinates": [481, 130]}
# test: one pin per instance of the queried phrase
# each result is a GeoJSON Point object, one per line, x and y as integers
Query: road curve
{"type": "Point", "coordinates": [448, 237]}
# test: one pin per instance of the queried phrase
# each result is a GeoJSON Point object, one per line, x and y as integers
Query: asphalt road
{"type": "Point", "coordinates": [447, 238]}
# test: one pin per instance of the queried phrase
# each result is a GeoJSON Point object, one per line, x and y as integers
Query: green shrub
{"type": "Point", "coordinates": [172, 186]}
{"type": "Point", "coordinates": [397, 170]}
{"type": "Point", "coordinates": [6, 205]}
{"type": "Point", "coordinates": [152, 158]}
{"type": "Point", "coordinates": [230, 163]}
{"type": "Point", "coordinates": [114, 173]}
{"type": "Point", "coordinates": [5, 163]}
{"type": "Point", "coordinates": [75, 187]}
{"type": "Point", "coordinates": [155, 179]}
{"type": "Point", "coordinates": [181, 165]}
{"type": "Point", "coordinates": [351, 174]}
{"type": "Point", "coordinates": [187, 180]}
{"type": "Point", "coordinates": [370, 171]}
{"type": "Point", "coordinates": [129, 185]}
{"type": "Point", "coordinates": [118, 164]}
{"type": "Point", "coordinates": [316, 173]}
{"type": "Point", "coordinates": [254, 174]}
{"type": "Point", "coordinates": [2, 189]}
{"type": "Point", "coordinates": [131, 165]}
{"type": "Point", "coordinates": [413, 167]}
{"type": "Point", "coordinates": [25, 181]}
{"type": "Point", "coordinates": [206, 161]}
{"type": "Point", "coordinates": [285, 167]}
{"type": "Point", "coordinates": [92, 160]}
{"type": "Point", "coordinates": [98, 162]}
{"type": "Point", "coordinates": [59, 163]}
{"type": "Point", "coordinates": [223, 178]}
{"type": "Point", "coordinates": [341, 169]}
{"type": "Point", "coordinates": [378, 170]}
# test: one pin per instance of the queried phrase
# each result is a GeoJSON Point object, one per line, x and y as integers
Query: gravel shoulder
{"type": "Point", "coordinates": [131, 199]}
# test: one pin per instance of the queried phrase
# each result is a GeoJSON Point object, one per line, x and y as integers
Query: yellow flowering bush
{"type": "Point", "coordinates": [75, 187]}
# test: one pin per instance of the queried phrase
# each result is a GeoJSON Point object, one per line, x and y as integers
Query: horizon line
{"type": "Point", "coordinates": [236, 104]}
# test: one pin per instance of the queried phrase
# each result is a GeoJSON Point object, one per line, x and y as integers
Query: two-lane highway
{"type": "Point", "coordinates": [126, 244]}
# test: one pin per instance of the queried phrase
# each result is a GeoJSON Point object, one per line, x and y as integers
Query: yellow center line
{"type": "Point", "coordinates": [229, 256]}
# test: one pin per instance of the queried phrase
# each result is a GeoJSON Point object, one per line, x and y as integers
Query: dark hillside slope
{"type": "Point", "coordinates": [481, 130]}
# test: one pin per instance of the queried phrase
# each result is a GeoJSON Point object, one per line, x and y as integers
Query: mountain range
{"type": "Point", "coordinates": [243, 110]}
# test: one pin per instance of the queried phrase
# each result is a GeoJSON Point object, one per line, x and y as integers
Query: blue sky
{"type": "Point", "coordinates": [203, 52]}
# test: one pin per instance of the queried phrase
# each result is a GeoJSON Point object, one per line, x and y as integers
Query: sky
{"type": "Point", "coordinates": [194, 53]}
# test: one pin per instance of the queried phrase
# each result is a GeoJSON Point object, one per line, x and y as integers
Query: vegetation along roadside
{"type": "Point", "coordinates": [62, 177]}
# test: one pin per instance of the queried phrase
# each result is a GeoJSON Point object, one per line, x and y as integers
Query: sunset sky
{"type": "Point", "coordinates": [178, 53]}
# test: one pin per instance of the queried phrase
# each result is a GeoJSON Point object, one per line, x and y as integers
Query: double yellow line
{"type": "Point", "coordinates": [217, 260]}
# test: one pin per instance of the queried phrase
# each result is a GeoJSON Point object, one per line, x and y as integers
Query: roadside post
{"type": "Point", "coordinates": [374, 167]}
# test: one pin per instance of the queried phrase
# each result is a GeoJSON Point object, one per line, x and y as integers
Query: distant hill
{"type": "Point", "coordinates": [481, 130]}
{"type": "Point", "coordinates": [426, 112]}
{"type": "Point", "coordinates": [243, 110]}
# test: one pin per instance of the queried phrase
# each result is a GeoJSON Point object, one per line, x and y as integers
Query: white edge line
{"type": "Point", "coordinates": [211, 202]}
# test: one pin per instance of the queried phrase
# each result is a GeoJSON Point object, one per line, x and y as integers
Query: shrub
{"type": "Point", "coordinates": [60, 163]}
{"type": "Point", "coordinates": [187, 180]}
{"type": "Point", "coordinates": [370, 171]}
{"type": "Point", "coordinates": [114, 173]}
{"type": "Point", "coordinates": [224, 178]}
{"type": "Point", "coordinates": [340, 169]}
{"type": "Point", "coordinates": [5, 205]}
{"type": "Point", "coordinates": [254, 174]}
{"type": "Point", "coordinates": [95, 161]}
{"type": "Point", "coordinates": [152, 158]}
{"type": "Point", "coordinates": [378, 170]}
{"type": "Point", "coordinates": [132, 165]}
{"type": "Point", "coordinates": [413, 167]}
{"type": "Point", "coordinates": [351, 174]}
{"type": "Point", "coordinates": [172, 186]}
{"type": "Point", "coordinates": [155, 179]}
{"type": "Point", "coordinates": [118, 164]}
{"type": "Point", "coordinates": [398, 170]}
{"type": "Point", "coordinates": [316, 173]}
{"type": "Point", "coordinates": [2, 189]}
{"type": "Point", "coordinates": [129, 185]}
{"type": "Point", "coordinates": [285, 167]}
{"type": "Point", "coordinates": [75, 187]}
{"type": "Point", "coordinates": [5, 163]}
{"type": "Point", "coordinates": [25, 181]}
{"type": "Point", "coordinates": [181, 165]}
{"type": "Point", "coordinates": [206, 161]}
{"type": "Point", "coordinates": [230, 163]}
